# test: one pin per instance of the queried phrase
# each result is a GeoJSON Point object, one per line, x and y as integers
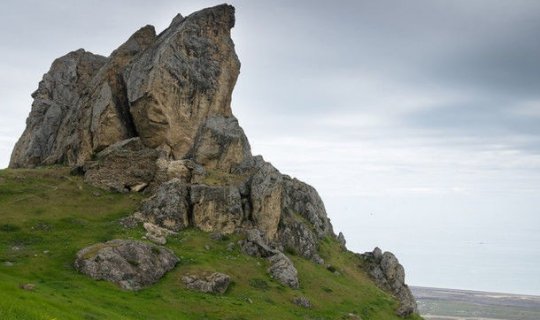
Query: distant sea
{"type": "Point", "coordinates": [484, 243]}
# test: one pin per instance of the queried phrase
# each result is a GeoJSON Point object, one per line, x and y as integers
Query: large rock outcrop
{"type": "Point", "coordinates": [170, 90]}
{"type": "Point", "coordinates": [155, 116]}
{"type": "Point", "coordinates": [132, 265]}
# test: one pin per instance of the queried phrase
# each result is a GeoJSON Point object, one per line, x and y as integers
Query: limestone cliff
{"type": "Point", "coordinates": [156, 116]}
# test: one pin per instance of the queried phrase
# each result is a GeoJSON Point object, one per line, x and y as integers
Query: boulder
{"type": "Point", "coordinates": [282, 269]}
{"type": "Point", "coordinates": [221, 144]}
{"type": "Point", "coordinates": [130, 264]}
{"type": "Point", "coordinates": [389, 275]}
{"type": "Point", "coordinates": [210, 283]}
{"type": "Point", "coordinates": [156, 234]}
{"type": "Point", "coordinates": [341, 240]}
{"type": "Point", "coordinates": [254, 245]}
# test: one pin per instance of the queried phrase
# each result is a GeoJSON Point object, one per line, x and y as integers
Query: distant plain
{"type": "Point", "coordinates": [448, 304]}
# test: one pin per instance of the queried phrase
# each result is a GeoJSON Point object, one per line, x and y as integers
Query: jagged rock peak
{"type": "Point", "coordinates": [159, 88]}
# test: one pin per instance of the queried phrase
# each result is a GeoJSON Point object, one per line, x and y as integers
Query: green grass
{"type": "Point", "coordinates": [46, 216]}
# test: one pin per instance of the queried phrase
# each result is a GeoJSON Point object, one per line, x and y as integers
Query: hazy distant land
{"type": "Point", "coordinates": [448, 304]}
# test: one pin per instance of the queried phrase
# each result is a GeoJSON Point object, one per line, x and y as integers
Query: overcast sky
{"type": "Point", "coordinates": [417, 121]}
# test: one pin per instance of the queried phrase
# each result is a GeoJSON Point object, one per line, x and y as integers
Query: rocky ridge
{"type": "Point", "coordinates": [155, 116]}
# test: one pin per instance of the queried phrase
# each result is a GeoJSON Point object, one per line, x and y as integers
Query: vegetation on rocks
{"type": "Point", "coordinates": [47, 216]}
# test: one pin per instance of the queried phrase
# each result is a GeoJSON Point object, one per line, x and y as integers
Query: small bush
{"type": "Point", "coordinates": [259, 284]}
{"type": "Point", "coordinates": [8, 227]}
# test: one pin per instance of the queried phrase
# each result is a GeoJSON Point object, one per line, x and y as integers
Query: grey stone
{"type": "Point", "coordinates": [255, 245]}
{"type": "Point", "coordinates": [266, 193]}
{"type": "Point", "coordinates": [211, 283]}
{"type": "Point", "coordinates": [283, 270]}
{"type": "Point", "coordinates": [28, 286]}
{"type": "Point", "coordinates": [342, 241]}
{"type": "Point", "coordinates": [389, 275]}
{"type": "Point", "coordinates": [302, 302]}
{"type": "Point", "coordinates": [131, 264]}
{"type": "Point", "coordinates": [157, 234]}
{"type": "Point", "coordinates": [51, 134]}
{"type": "Point", "coordinates": [221, 144]}
{"type": "Point", "coordinates": [169, 207]}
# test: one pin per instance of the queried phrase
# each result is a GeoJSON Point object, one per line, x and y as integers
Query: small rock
{"type": "Point", "coordinates": [138, 187]}
{"type": "Point", "coordinates": [96, 194]}
{"type": "Point", "coordinates": [230, 246]}
{"type": "Point", "coordinates": [302, 302]}
{"type": "Point", "coordinates": [129, 222]}
{"type": "Point", "coordinates": [45, 251]}
{"type": "Point", "coordinates": [27, 286]}
{"type": "Point", "coordinates": [342, 241]}
{"type": "Point", "coordinates": [156, 239]}
{"type": "Point", "coordinates": [216, 236]}
{"type": "Point", "coordinates": [213, 283]}
{"type": "Point", "coordinates": [157, 234]}
{"type": "Point", "coordinates": [352, 316]}
{"type": "Point", "coordinates": [8, 264]}
{"type": "Point", "coordinates": [206, 247]}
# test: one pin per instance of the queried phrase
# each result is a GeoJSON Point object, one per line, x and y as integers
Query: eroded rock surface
{"type": "Point", "coordinates": [132, 265]}
{"type": "Point", "coordinates": [215, 282]}
{"type": "Point", "coordinates": [125, 166]}
{"type": "Point", "coordinates": [281, 267]}
{"type": "Point", "coordinates": [169, 207]}
{"type": "Point", "coordinates": [389, 275]}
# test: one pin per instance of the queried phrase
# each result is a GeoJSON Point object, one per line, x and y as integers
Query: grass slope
{"type": "Point", "coordinates": [46, 216]}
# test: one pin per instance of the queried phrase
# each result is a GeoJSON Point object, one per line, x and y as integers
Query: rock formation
{"type": "Point", "coordinates": [155, 116]}
{"type": "Point", "coordinates": [130, 264]}
{"type": "Point", "coordinates": [215, 282]}
{"type": "Point", "coordinates": [389, 274]}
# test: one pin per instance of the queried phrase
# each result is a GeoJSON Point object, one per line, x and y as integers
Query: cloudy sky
{"type": "Point", "coordinates": [417, 121]}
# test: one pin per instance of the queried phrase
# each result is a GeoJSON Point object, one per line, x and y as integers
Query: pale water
{"type": "Point", "coordinates": [491, 244]}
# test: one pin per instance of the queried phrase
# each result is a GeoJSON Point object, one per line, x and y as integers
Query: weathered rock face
{"type": "Point", "coordinates": [51, 134]}
{"type": "Point", "coordinates": [194, 59]}
{"type": "Point", "coordinates": [124, 166]}
{"type": "Point", "coordinates": [281, 267]}
{"type": "Point", "coordinates": [167, 89]}
{"type": "Point", "coordinates": [216, 208]}
{"type": "Point", "coordinates": [221, 144]}
{"type": "Point", "coordinates": [169, 207]}
{"type": "Point", "coordinates": [389, 275]}
{"type": "Point", "coordinates": [130, 264]}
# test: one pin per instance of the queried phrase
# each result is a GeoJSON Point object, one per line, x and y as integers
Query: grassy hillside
{"type": "Point", "coordinates": [46, 216]}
